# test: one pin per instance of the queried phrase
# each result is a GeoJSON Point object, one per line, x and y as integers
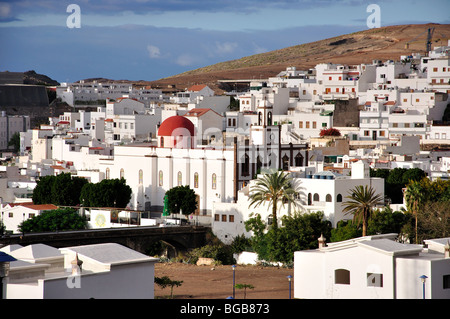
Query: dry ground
{"type": "Point", "coordinates": [201, 282]}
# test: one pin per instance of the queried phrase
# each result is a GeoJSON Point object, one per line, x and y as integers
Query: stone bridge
{"type": "Point", "coordinates": [178, 238]}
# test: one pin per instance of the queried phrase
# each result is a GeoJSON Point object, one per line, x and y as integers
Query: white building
{"type": "Point", "coordinates": [190, 95]}
{"type": "Point", "coordinates": [373, 267]}
{"type": "Point", "coordinates": [102, 271]}
{"type": "Point", "coordinates": [323, 191]}
{"type": "Point", "coordinates": [14, 214]}
{"type": "Point", "coordinates": [10, 125]}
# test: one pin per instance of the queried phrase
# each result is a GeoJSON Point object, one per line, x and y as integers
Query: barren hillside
{"type": "Point", "coordinates": [386, 43]}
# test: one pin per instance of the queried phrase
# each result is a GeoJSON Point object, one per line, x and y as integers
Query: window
{"type": "Point", "coordinates": [299, 160]}
{"type": "Point", "coordinates": [435, 69]}
{"type": "Point", "coordinates": [337, 90]}
{"type": "Point", "coordinates": [329, 78]}
{"type": "Point", "coordinates": [382, 133]}
{"type": "Point", "coordinates": [162, 141]}
{"type": "Point", "coordinates": [224, 218]}
{"type": "Point", "coordinates": [374, 280]}
{"type": "Point", "coordinates": [107, 173]}
{"type": "Point", "coordinates": [285, 162]}
{"type": "Point", "coordinates": [366, 133]}
{"type": "Point", "coordinates": [180, 179]}
{"type": "Point", "coordinates": [245, 165]}
{"type": "Point", "coordinates": [269, 118]}
{"type": "Point", "coordinates": [342, 277]}
{"type": "Point", "coordinates": [231, 218]}
{"type": "Point", "coordinates": [122, 173]}
{"type": "Point", "coordinates": [394, 124]}
{"type": "Point", "coordinates": [405, 100]}
{"type": "Point", "coordinates": [300, 124]}
{"type": "Point", "coordinates": [316, 197]}
{"type": "Point", "coordinates": [314, 124]}
{"type": "Point", "coordinates": [214, 181]}
{"type": "Point", "coordinates": [406, 125]}
{"type": "Point", "coordinates": [328, 198]}
{"type": "Point", "coordinates": [339, 198]}
{"type": "Point", "coordinates": [446, 282]}
{"type": "Point", "coordinates": [141, 176]}
{"type": "Point", "coordinates": [309, 199]}
{"type": "Point", "coordinates": [10, 215]}
{"type": "Point", "coordinates": [196, 180]}
{"type": "Point", "coordinates": [216, 217]}
{"type": "Point", "coordinates": [307, 124]}
{"type": "Point", "coordinates": [161, 178]}
{"type": "Point", "coordinates": [304, 92]}
{"type": "Point", "coordinates": [417, 100]}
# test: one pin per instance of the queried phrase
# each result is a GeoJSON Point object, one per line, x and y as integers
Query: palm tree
{"type": "Point", "coordinates": [415, 198]}
{"type": "Point", "coordinates": [274, 187]}
{"type": "Point", "coordinates": [361, 202]}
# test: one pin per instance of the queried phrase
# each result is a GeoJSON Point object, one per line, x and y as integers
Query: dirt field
{"type": "Point", "coordinates": [216, 282]}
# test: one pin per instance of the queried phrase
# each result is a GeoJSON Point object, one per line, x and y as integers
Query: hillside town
{"type": "Point", "coordinates": [329, 128]}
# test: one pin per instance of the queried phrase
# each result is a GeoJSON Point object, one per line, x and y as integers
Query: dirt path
{"type": "Point", "coordinates": [216, 282]}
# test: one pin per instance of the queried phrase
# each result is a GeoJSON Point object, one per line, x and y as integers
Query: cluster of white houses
{"type": "Point", "coordinates": [157, 142]}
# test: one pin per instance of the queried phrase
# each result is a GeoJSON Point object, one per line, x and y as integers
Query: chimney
{"type": "Point", "coordinates": [322, 243]}
{"type": "Point", "coordinates": [76, 265]}
{"type": "Point", "coordinates": [447, 250]}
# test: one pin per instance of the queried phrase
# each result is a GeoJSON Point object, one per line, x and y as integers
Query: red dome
{"type": "Point", "coordinates": [173, 123]}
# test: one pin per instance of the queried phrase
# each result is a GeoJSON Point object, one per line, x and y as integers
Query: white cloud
{"type": "Point", "coordinates": [226, 47]}
{"type": "Point", "coordinates": [5, 10]}
{"type": "Point", "coordinates": [153, 51]}
{"type": "Point", "coordinates": [185, 60]}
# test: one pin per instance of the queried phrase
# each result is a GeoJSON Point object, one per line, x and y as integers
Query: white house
{"type": "Point", "coordinates": [373, 267]}
{"type": "Point", "coordinates": [14, 214]}
{"type": "Point", "coordinates": [323, 191]}
{"type": "Point", "coordinates": [102, 271]}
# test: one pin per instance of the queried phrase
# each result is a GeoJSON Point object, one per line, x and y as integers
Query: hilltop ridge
{"type": "Point", "coordinates": [385, 43]}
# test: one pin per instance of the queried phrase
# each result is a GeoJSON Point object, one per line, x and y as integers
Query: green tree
{"type": "Point", "coordinates": [42, 193]}
{"type": "Point", "coordinates": [386, 221]}
{"type": "Point", "coordinates": [361, 201]}
{"type": "Point", "coordinates": [245, 287]}
{"type": "Point", "coordinates": [415, 197]}
{"type": "Point", "coordinates": [272, 189]}
{"type": "Point", "coordinates": [15, 142]}
{"type": "Point", "coordinates": [165, 281]}
{"type": "Point", "coordinates": [299, 232]}
{"type": "Point", "coordinates": [181, 198]}
{"type": "Point", "coordinates": [61, 190]}
{"type": "Point", "coordinates": [107, 193]}
{"type": "Point", "coordinates": [54, 220]}
{"type": "Point", "coordinates": [345, 229]}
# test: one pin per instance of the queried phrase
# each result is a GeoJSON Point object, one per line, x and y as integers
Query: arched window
{"type": "Point", "coordinates": [214, 181]}
{"type": "Point", "coordinates": [180, 179]}
{"type": "Point", "coordinates": [298, 160]}
{"type": "Point", "coordinates": [122, 173]}
{"type": "Point", "coordinates": [339, 198]}
{"type": "Point", "coordinates": [161, 180]}
{"type": "Point", "coordinates": [309, 199]}
{"type": "Point", "coordinates": [342, 276]}
{"type": "Point", "coordinates": [269, 118]}
{"type": "Point", "coordinates": [141, 176]}
{"type": "Point", "coordinates": [285, 162]}
{"type": "Point", "coordinates": [245, 165]}
{"type": "Point", "coordinates": [195, 180]}
{"type": "Point", "coordinates": [328, 198]}
{"type": "Point", "coordinates": [316, 197]}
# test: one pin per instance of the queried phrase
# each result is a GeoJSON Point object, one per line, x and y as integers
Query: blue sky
{"type": "Point", "coordinates": [152, 39]}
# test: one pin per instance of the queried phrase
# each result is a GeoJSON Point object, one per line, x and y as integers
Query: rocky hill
{"type": "Point", "coordinates": [385, 43]}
